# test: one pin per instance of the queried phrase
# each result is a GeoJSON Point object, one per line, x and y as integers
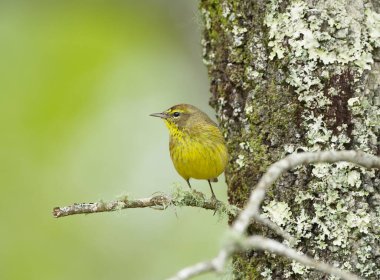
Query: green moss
{"type": "Point", "coordinates": [243, 268]}
{"type": "Point", "coordinates": [266, 131]}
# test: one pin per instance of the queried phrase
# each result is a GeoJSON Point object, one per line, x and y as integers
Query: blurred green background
{"type": "Point", "coordinates": [78, 80]}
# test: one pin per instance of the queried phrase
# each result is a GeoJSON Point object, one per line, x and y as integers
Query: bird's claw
{"type": "Point", "coordinates": [216, 202]}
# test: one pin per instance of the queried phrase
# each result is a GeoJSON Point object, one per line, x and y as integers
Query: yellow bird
{"type": "Point", "coordinates": [197, 147]}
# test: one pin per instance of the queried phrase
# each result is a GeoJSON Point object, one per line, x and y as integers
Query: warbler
{"type": "Point", "coordinates": [197, 147]}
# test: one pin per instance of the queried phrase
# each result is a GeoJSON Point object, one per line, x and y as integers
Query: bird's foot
{"type": "Point", "coordinates": [216, 203]}
{"type": "Point", "coordinates": [214, 199]}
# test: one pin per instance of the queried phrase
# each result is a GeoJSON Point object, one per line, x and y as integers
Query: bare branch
{"type": "Point", "coordinates": [161, 202]}
{"type": "Point", "coordinates": [216, 264]}
{"type": "Point", "coordinates": [194, 270]}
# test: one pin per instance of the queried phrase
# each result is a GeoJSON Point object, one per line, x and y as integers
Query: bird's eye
{"type": "Point", "coordinates": [176, 114]}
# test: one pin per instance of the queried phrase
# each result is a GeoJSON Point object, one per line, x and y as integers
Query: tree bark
{"type": "Point", "coordinates": [295, 76]}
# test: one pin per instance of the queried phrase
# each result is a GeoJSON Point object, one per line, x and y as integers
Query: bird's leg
{"type": "Point", "coordinates": [195, 192]}
{"type": "Point", "coordinates": [212, 191]}
{"type": "Point", "coordinates": [213, 197]}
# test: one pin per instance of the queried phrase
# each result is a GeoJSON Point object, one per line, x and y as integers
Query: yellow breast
{"type": "Point", "coordinates": [199, 156]}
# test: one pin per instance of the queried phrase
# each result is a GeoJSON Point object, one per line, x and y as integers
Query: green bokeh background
{"type": "Point", "coordinates": [78, 80]}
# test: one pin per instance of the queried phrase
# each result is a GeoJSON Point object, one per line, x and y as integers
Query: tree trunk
{"type": "Point", "coordinates": [294, 76]}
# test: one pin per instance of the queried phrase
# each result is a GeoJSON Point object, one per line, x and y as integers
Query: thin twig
{"type": "Point", "coordinates": [192, 271]}
{"type": "Point", "coordinates": [216, 264]}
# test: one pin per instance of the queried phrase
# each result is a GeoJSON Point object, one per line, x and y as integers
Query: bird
{"type": "Point", "coordinates": [197, 147]}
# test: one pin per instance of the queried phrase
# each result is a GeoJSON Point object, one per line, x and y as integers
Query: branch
{"type": "Point", "coordinates": [161, 202]}
{"type": "Point", "coordinates": [252, 212]}
{"type": "Point", "coordinates": [194, 270]}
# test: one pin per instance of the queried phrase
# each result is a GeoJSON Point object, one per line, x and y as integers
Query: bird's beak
{"type": "Point", "coordinates": [160, 115]}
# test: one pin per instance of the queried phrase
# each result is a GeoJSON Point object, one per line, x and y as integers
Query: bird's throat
{"type": "Point", "coordinates": [174, 131]}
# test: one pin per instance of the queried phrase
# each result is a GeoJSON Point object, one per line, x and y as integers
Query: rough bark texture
{"type": "Point", "coordinates": [293, 76]}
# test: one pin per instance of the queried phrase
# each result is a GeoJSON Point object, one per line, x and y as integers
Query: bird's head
{"type": "Point", "coordinates": [183, 116]}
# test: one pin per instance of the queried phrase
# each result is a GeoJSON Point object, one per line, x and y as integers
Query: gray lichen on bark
{"type": "Point", "coordinates": [293, 76]}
